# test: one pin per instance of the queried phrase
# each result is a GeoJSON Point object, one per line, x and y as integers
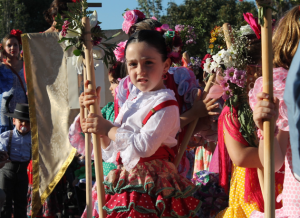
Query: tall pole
{"type": "Point", "coordinates": [267, 71]}
{"type": "Point", "coordinates": [90, 72]}
{"type": "Point", "coordinates": [88, 168]}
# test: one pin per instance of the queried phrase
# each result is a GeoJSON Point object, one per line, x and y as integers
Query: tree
{"type": "Point", "coordinates": [150, 7]}
{"type": "Point", "coordinates": [204, 15]}
{"type": "Point", "coordinates": [26, 15]}
{"type": "Point", "coordinates": [12, 16]}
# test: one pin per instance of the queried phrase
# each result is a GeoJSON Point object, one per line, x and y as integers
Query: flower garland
{"type": "Point", "coordinates": [230, 67]}
{"type": "Point", "coordinates": [71, 33]}
{"type": "Point", "coordinates": [131, 17]}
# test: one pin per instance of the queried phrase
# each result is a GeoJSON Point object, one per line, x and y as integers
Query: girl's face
{"type": "Point", "coordinates": [12, 47]}
{"type": "Point", "coordinates": [113, 84]}
{"type": "Point", "coordinates": [145, 66]}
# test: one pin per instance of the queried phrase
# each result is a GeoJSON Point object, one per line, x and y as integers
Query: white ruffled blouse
{"type": "Point", "coordinates": [133, 140]}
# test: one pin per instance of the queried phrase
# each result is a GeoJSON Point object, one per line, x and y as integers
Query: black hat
{"type": "Point", "coordinates": [21, 112]}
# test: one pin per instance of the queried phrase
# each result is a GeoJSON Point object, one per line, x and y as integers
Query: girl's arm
{"type": "Point", "coordinates": [280, 145]}
{"type": "Point", "coordinates": [241, 155]}
{"type": "Point", "coordinates": [200, 108]}
{"type": "Point", "coordinates": [264, 110]}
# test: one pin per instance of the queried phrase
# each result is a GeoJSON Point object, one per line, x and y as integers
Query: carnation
{"type": "Point", "coordinates": [120, 51]}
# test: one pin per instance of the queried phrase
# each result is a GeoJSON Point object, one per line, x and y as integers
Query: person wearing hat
{"type": "Point", "coordinates": [13, 176]}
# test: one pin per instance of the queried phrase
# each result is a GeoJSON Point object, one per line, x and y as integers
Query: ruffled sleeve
{"type": "Point", "coordinates": [76, 137]}
{"type": "Point", "coordinates": [186, 82]}
{"type": "Point", "coordinates": [279, 78]}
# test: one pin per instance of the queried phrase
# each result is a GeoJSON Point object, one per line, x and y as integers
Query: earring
{"type": "Point", "coordinates": [165, 77]}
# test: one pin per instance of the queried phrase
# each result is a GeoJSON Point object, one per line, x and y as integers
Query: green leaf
{"type": "Point", "coordinates": [63, 39]}
{"type": "Point", "coordinates": [68, 47]}
{"type": "Point", "coordinates": [116, 34]}
{"type": "Point", "coordinates": [77, 52]}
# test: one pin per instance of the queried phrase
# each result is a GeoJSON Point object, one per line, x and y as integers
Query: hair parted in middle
{"type": "Point", "coordinates": [153, 39]}
{"type": "Point", "coordinates": [286, 38]}
{"type": "Point", "coordinates": [146, 24]}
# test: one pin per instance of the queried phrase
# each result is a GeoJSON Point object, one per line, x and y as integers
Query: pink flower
{"type": "Point", "coordinates": [227, 93]}
{"type": "Point", "coordinates": [120, 51]}
{"type": "Point", "coordinates": [65, 27]}
{"type": "Point", "coordinates": [253, 22]}
{"type": "Point", "coordinates": [130, 18]}
{"type": "Point", "coordinates": [153, 18]}
{"type": "Point", "coordinates": [229, 73]}
{"type": "Point", "coordinates": [165, 27]}
{"type": "Point", "coordinates": [179, 27]}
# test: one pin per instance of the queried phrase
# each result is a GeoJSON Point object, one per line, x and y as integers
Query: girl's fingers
{"type": "Point", "coordinates": [198, 97]}
{"type": "Point", "coordinates": [92, 130]}
{"type": "Point", "coordinates": [260, 96]}
{"type": "Point", "coordinates": [213, 113]}
{"type": "Point", "coordinates": [213, 107]}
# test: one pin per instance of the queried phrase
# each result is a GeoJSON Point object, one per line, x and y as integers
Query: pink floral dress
{"type": "Point", "coordinates": [290, 194]}
{"type": "Point", "coordinates": [291, 187]}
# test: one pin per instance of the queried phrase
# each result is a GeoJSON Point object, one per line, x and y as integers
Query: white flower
{"type": "Point", "coordinates": [207, 67]}
{"type": "Point", "coordinates": [77, 62]}
{"type": "Point", "coordinates": [246, 30]}
{"type": "Point", "coordinates": [98, 52]}
{"type": "Point", "coordinates": [94, 19]}
{"type": "Point", "coordinates": [217, 59]}
{"type": "Point", "coordinates": [208, 60]}
{"type": "Point", "coordinates": [214, 65]}
{"type": "Point", "coordinates": [73, 33]}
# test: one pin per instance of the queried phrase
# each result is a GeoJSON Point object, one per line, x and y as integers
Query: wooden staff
{"type": "Point", "coordinates": [88, 160]}
{"type": "Point", "coordinates": [193, 124]}
{"type": "Point", "coordinates": [267, 69]}
{"type": "Point", "coordinates": [90, 72]}
{"type": "Point", "coordinates": [209, 84]}
{"type": "Point", "coordinates": [227, 34]}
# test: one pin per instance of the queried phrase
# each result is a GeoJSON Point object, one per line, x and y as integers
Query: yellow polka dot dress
{"type": "Point", "coordinates": [238, 208]}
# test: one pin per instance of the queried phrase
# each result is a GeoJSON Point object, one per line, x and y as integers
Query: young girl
{"type": "Point", "coordinates": [285, 44]}
{"type": "Point", "coordinates": [245, 193]}
{"type": "Point", "coordinates": [146, 182]}
{"type": "Point", "coordinates": [76, 137]}
{"type": "Point", "coordinates": [12, 83]}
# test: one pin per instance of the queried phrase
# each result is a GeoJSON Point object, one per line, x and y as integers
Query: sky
{"type": "Point", "coordinates": [111, 12]}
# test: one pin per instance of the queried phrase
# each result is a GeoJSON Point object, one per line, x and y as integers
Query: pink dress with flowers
{"type": "Point", "coordinates": [291, 187]}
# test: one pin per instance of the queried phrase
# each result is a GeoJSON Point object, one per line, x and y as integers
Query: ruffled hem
{"type": "Point", "coordinates": [152, 187]}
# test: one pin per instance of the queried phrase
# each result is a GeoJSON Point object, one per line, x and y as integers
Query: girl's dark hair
{"type": "Point", "coordinates": [117, 71]}
{"type": "Point", "coordinates": [152, 38]}
{"type": "Point", "coordinates": [57, 6]}
{"type": "Point", "coordinates": [7, 37]}
{"type": "Point", "coordinates": [146, 24]}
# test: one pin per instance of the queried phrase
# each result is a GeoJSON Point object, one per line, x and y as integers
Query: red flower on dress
{"type": "Point", "coordinates": [17, 33]}
{"type": "Point", "coordinates": [75, 1]}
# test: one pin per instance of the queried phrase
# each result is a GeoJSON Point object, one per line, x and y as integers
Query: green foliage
{"type": "Point", "coordinates": [72, 32]}
{"type": "Point", "coordinates": [204, 15]}
{"type": "Point", "coordinates": [150, 7]}
{"type": "Point", "coordinates": [26, 15]}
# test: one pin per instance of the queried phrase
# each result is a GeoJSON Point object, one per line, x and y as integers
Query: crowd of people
{"type": "Point", "coordinates": [157, 94]}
